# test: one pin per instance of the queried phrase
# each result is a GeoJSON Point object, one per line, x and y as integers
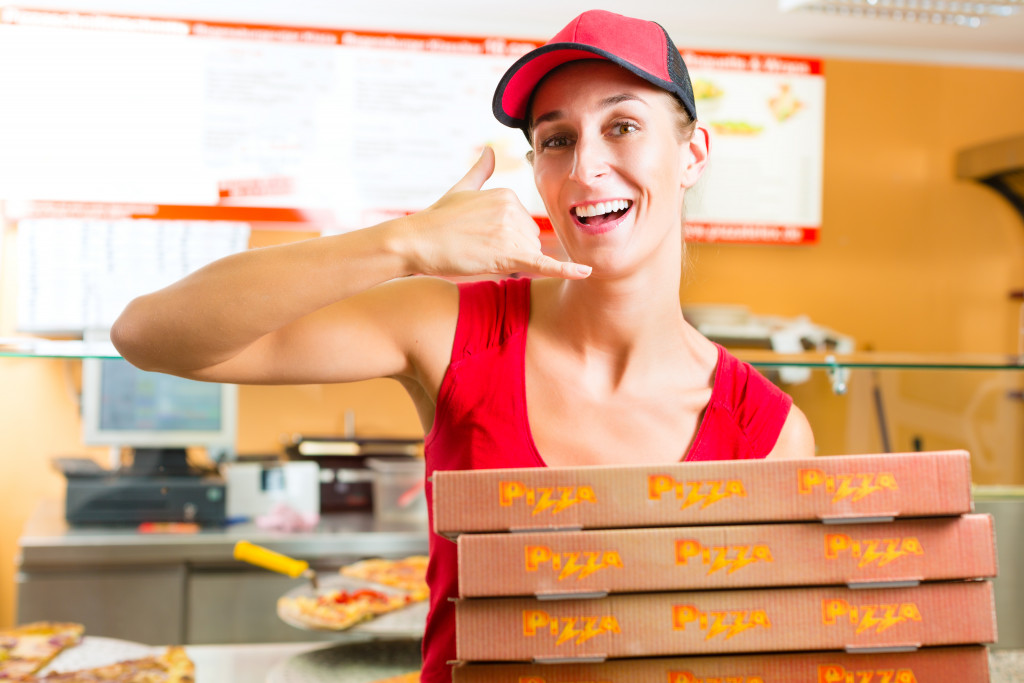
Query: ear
{"type": "Point", "coordinates": [694, 156]}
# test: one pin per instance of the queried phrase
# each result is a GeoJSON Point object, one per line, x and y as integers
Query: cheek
{"type": "Point", "coordinates": [548, 180]}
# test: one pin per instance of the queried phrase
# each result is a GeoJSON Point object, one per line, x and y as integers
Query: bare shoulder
{"type": "Point", "coordinates": [796, 440]}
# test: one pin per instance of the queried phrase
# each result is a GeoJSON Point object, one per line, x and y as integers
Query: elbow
{"type": "Point", "coordinates": [127, 335]}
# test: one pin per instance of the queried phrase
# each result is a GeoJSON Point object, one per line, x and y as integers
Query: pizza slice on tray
{"type": "Point", "coordinates": [26, 649]}
{"type": "Point", "coordinates": [171, 666]}
{"type": "Point", "coordinates": [338, 609]}
{"type": "Point", "coordinates": [408, 574]}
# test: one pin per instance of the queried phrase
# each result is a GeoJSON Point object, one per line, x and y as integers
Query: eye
{"type": "Point", "coordinates": [555, 141]}
{"type": "Point", "coordinates": [625, 128]}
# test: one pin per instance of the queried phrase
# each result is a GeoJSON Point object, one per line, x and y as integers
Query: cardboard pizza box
{"type": "Point", "coordinates": [831, 488]}
{"type": "Point", "coordinates": [965, 664]}
{"type": "Point", "coordinates": [739, 556]}
{"type": "Point", "coordinates": [725, 621]}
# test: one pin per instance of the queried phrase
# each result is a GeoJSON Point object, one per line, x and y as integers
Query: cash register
{"type": "Point", "coordinates": [157, 418]}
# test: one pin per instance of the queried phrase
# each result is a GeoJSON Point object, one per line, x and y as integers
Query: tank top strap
{"type": "Point", "coordinates": [489, 314]}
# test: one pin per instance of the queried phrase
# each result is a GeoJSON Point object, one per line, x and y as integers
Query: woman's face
{"type": "Point", "coordinates": [610, 166]}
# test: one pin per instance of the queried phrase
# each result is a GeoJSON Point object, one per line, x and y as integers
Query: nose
{"type": "Point", "coordinates": [590, 160]}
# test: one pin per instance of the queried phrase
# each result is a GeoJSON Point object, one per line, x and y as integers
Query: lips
{"type": "Point", "coordinates": [600, 217]}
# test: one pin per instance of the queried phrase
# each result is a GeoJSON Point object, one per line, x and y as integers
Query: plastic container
{"type": "Point", "coordinates": [398, 494]}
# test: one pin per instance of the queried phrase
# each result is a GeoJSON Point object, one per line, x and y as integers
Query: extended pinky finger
{"type": "Point", "coordinates": [545, 265]}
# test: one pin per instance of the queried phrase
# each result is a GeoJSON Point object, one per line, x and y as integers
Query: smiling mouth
{"type": "Point", "coordinates": [602, 215]}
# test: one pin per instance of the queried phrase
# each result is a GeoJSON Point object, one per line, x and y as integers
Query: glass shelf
{"type": "Point", "coordinates": [36, 347]}
{"type": "Point", "coordinates": [882, 360]}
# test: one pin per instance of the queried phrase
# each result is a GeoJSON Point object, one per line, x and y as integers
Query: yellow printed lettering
{"type": "Point", "coordinates": [717, 622]}
{"type": "Point", "coordinates": [854, 487]}
{"type": "Point", "coordinates": [693, 493]}
{"type": "Point", "coordinates": [872, 550]}
{"type": "Point", "coordinates": [566, 629]}
{"type": "Point", "coordinates": [868, 617]}
{"type": "Point", "coordinates": [834, 673]}
{"type": "Point", "coordinates": [544, 498]}
{"type": "Point", "coordinates": [579, 564]}
{"type": "Point", "coordinates": [730, 557]}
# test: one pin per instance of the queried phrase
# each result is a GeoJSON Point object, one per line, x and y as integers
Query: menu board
{"type": "Point", "coordinates": [765, 116]}
{"type": "Point", "coordinates": [79, 274]}
{"type": "Point", "coordinates": [353, 125]}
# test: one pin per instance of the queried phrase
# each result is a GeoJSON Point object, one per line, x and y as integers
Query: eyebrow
{"type": "Point", "coordinates": [556, 114]}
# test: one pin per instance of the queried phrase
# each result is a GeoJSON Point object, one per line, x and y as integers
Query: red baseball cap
{"type": "Point", "coordinates": [642, 47]}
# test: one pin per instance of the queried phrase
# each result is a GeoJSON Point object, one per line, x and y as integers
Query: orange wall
{"type": "Point", "coordinates": [910, 259]}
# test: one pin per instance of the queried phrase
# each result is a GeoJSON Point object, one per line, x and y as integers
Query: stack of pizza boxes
{"type": "Point", "coordinates": [842, 569]}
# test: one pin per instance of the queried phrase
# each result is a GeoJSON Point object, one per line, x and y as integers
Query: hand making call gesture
{"type": "Point", "coordinates": [470, 231]}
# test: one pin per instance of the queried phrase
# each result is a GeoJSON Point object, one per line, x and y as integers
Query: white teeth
{"type": "Point", "coordinates": [599, 208]}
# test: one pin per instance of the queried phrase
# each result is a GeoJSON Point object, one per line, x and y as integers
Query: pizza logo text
{"type": "Point", "coordinates": [733, 557]}
{"type": "Point", "coordinates": [867, 617]}
{"type": "Point", "coordinates": [880, 550]}
{"type": "Point", "coordinates": [691, 493]}
{"type": "Point", "coordinates": [580, 564]}
{"type": "Point", "coordinates": [687, 677]}
{"type": "Point", "coordinates": [845, 486]}
{"type": "Point", "coordinates": [565, 629]}
{"type": "Point", "coordinates": [544, 498]}
{"type": "Point", "coordinates": [833, 673]}
{"type": "Point", "coordinates": [729, 622]}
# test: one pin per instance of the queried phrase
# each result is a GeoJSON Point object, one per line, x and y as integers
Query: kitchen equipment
{"type": "Point", "coordinates": [98, 496]}
{"type": "Point", "coordinates": [345, 481]}
{"type": "Point", "coordinates": [398, 489]}
{"type": "Point", "coordinates": [275, 562]}
{"type": "Point", "coordinates": [254, 488]}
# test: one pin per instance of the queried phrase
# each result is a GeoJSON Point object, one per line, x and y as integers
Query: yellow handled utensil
{"type": "Point", "coordinates": [275, 562]}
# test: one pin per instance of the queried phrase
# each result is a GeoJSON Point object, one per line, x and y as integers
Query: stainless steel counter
{"type": "Point", "coordinates": [48, 541]}
{"type": "Point", "coordinates": [184, 588]}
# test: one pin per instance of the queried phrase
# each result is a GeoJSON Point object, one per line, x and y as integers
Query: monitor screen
{"type": "Point", "coordinates": [125, 406]}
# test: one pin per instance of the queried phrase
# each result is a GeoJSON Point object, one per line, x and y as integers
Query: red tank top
{"type": "Point", "coordinates": [481, 423]}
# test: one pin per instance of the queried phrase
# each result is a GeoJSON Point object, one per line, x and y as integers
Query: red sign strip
{"type": "Point", "coordinates": [105, 210]}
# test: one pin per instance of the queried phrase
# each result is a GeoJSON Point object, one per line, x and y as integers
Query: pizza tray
{"type": "Point", "coordinates": [356, 662]}
{"type": "Point", "coordinates": [96, 651]}
{"type": "Point", "coordinates": [404, 622]}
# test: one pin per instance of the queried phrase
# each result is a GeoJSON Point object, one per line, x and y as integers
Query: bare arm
{"type": "Point", "coordinates": [319, 311]}
{"type": "Point", "coordinates": [796, 440]}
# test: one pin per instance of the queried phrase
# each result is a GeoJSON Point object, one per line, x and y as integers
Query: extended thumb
{"type": "Point", "coordinates": [478, 174]}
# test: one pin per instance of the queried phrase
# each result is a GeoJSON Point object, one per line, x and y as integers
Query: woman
{"type": "Point", "coordinates": [593, 364]}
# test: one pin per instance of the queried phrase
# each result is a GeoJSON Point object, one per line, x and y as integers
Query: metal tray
{"type": "Point", "coordinates": [357, 662]}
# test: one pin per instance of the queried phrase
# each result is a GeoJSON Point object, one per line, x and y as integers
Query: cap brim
{"type": "Point", "coordinates": [512, 96]}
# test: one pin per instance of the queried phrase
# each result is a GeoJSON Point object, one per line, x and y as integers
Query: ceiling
{"type": "Point", "coordinates": [741, 25]}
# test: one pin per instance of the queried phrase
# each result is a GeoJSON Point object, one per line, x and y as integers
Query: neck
{"type": "Point", "coordinates": [628, 323]}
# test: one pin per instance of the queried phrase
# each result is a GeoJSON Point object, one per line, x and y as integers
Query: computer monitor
{"type": "Point", "coordinates": [156, 415]}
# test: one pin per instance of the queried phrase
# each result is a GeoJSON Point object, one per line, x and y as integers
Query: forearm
{"type": "Point", "coordinates": [216, 312]}
{"type": "Point", "coordinates": [214, 315]}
